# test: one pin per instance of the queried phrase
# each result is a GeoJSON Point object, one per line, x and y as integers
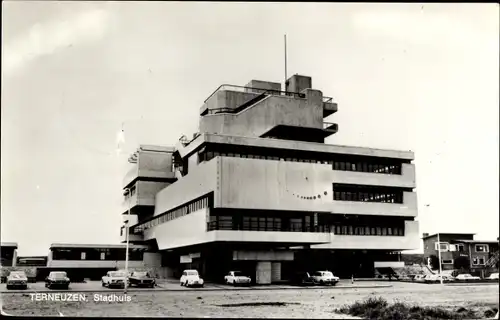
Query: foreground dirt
{"type": "Point", "coordinates": [317, 303]}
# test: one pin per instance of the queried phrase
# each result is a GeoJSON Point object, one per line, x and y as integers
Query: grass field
{"type": "Point", "coordinates": [312, 303]}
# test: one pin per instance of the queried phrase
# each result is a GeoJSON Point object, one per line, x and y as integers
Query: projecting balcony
{"type": "Point", "coordinates": [330, 128]}
{"type": "Point", "coordinates": [136, 173]}
{"type": "Point", "coordinates": [133, 237]}
{"type": "Point", "coordinates": [329, 107]}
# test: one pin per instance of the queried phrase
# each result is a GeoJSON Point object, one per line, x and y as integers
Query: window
{"type": "Point", "coordinates": [478, 261]}
{"type": "Point", "coordinates": [103, 255]}
{"type": "Point", "coordinates": [82, 256]}
{"type": "Point", "coordinates": [443, 246]}
{"type": "Point", "coordinates": [460, 247]}
{"type": "Point", "coordinates": [450, 261]}
{"type": "Point", "coordinates": [482, 248]}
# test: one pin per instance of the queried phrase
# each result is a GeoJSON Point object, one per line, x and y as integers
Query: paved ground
{"type": "Point", "coordinates": [295, 303]}
{"type": "Point", "coordinates": [173, 285]}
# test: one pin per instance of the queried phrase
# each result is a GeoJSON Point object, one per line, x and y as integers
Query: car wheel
{"type": "Point", "coordinates": [321, 282]}
{"type": "Point", "coordinates": [102, 284]}
{"type": "Point", "coordinates": [9, 287]}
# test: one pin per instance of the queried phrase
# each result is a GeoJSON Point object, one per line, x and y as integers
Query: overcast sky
{"type": "Point", "coordinates": [405, 76]}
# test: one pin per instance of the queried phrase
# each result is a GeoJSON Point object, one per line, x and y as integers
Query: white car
{"type": "Point", "coordinates": [191, 278]}
{"type": "Point", "coordinates": [419, 278]}
{"type": "Point", "coordinates": [114, 279]}
{"type": "Point", "coordinates": [466, 277]}
{"type": "Point", "coordinates": [236, 278]}
{"type": "Point", "coordinates": [493, 276]}
{"type": "Point", "coordinates": [17, 279]}
{"type": "Point", "coordinates": [436, 278]}
{"type": "Point", "coordinates": [324, 278]}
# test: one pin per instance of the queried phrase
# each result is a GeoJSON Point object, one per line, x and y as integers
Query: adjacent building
{"type": "Point", "coordinates": [258, 190]}
{"type": "Point", "coordinates": [461, 251]}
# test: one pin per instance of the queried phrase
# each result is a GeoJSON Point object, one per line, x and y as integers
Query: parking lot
{"type": "Point", "coordinates": [169, 299]}
{"type": "Point", "coordinates": [173, 285]}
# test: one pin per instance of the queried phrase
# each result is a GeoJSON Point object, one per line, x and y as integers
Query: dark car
{"type": "Point", "coordinates": [141, 279]}
{"type": "Point", "coordinates": [57, 279]}
{"type": "Point", "coordinates": [303, 279]}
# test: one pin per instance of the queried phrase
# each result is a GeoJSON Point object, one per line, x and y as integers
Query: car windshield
{"type": "Point", "coordinates": [18, 274]}
{"type": "Point", "coordinates": [117, 274]}
{"type": "Point", "coordinates": [58, 275]}
{"type": "Point", "coordinates": [328, 274]}
{"type": "Point", "coordinates": [192, 273]}
{"type": "Point", "coordinates": [140, 274]}
{"type": "Point", "coordinates": [238, 274]}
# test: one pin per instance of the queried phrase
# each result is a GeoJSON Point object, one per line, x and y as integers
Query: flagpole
{"type": "Point", "coordinates": [286, 76]}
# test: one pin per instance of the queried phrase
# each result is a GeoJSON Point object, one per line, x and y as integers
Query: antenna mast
{"type": "Point", "coordinates": [286, 77]}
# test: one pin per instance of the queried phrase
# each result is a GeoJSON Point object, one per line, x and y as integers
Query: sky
{"type": "Point", "coordinates": [420, 77]}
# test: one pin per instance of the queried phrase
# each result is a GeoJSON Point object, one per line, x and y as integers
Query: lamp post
{"type": "Point", "coordinates": [439, 257]}
{"type": "Point", "coordinates": [129, 196]}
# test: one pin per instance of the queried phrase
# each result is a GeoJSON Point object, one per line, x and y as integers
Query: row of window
{"type": "Point", "coordinates": [298, 225]}
{"type": "Point", "coordinates": [174, 214]}
{"type": "Point", "coordinates": [96, 254]}
{"type": "Point", "coordinates": [368, 230]}
{"type": "Point", "coordinates": [476, 261]}
{"type": "Point", "coordinates": [336, 165]}
{"type": "Point", "coordinates": [372, 196]}
{"type": "Point", "coordinates": [367, 167]}
{"type": "Point", "coordinates": [445, 246]}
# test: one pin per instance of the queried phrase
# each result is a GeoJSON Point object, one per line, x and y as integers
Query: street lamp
{"type": "Point", "coordinates": [128, 194]}
{"type": "Point", "coordinates": [439, 257]}
{"type": "Point", "coordinates": [439, 254]}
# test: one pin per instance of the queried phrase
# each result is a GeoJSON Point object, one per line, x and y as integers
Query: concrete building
{"type": "Point", "coordinates": [481, 256]}
{"type": "Point", "coordinates": [8, 252]}
{"type": "Point", "coordinates": [258, 190]}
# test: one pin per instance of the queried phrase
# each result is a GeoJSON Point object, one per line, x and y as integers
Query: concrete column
{"type": "Point", "coordinates": [14, 258]}
{"type": "Point", "coordinates": [275, 271]}
{"type": "Point", "coordinates": [263, 272]}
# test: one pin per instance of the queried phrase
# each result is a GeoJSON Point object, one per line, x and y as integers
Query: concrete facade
{"type": "Point", "coordinates": [257, 189]}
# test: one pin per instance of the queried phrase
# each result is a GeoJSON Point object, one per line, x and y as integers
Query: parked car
{"type": "Point", "coordinates": [237, 278]}
{"type": "Point", "coordinates": [419, 278]}
{"type": "Point", "coordinates": [303, 279]}
{"type": "Point", "coordinates": [191, 278]}
{"type": "Point", "coordinates": [17, 279]}
{"type": "Point", "coordinates": [493, 276]}
{"type": "Point", "coordinates": [436, 278]}
{"type": "Point", "coordinates": [114, 279]}
{"type": "Point", "coordinates": [324, 278]}
{"type": "Point", "coordinates": [57, 279]}
{"type": "Point", "coordinates": [141, 279]}
{"type": "Point", "coordinates": [466, 277]}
